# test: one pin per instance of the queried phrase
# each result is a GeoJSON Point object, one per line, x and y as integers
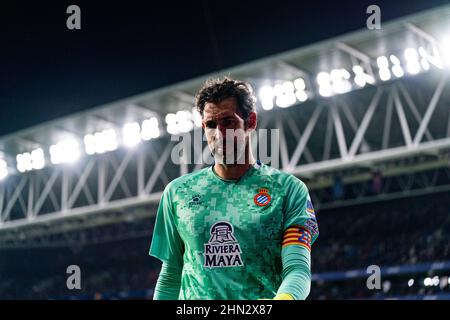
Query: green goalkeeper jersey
{"type": "Point", "coordinates": [227, 234]}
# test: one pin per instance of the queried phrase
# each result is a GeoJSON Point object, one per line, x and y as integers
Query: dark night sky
{"type": "Point", "coordinates": [126, 48]}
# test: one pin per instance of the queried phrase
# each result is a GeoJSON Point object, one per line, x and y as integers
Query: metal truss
{"type": "Point", "coordinates": [138, 224]}
{"type": "Point", "coordinates": [353, 133]}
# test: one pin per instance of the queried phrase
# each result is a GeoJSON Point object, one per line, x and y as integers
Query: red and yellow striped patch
{"type": "Point", "coordinates": [297, 235]}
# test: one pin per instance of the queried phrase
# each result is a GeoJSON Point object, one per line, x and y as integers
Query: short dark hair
{"type": "Point", "coordinates": [216, 90]}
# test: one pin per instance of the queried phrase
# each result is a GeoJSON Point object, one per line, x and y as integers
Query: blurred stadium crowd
{"type": "Point", "coordinates": [396, 233]}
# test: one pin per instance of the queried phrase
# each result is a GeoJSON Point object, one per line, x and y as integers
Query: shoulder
{"type": "Point", "coordinates": [286, 180]}
{"type": "Point", "coordinates": [185, 180]}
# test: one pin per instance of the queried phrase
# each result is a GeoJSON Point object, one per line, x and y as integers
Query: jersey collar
{"type": "Point", "coordinates": [256, 166]}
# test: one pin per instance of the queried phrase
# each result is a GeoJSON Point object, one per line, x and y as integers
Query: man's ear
{"type": "Point", "coordinates": [251, 121]}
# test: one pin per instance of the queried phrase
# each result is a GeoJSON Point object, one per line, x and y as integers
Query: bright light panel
{"type": "Point", "coordinates": [179, 122]}
{"type": "Point", "coordinates": [66, 151]}
{"type": "Point", "coordinates": [3, 169]}
{"type": "Point", "coordinates": [324, 82]}
{"type": "Point", "coordinates": [300, 90]}
{"type": "Point", "coordinates": [397, 69]}
{"type": "Point", "coordinates": [383, 68]}
{"type": "Point", "coordinates": [100, 142]}
{"type": "Point", "coordinates": [150, 129]}
{"type": "Point", "coordinates": [285, 94]}
{"type": "Point", "coordinates": [28, 161]}
{"type": "Point", "coordinates": [412, 61]}
{"type": "Point", "coordinates": [131, 134]}
{"type": "Point", "coordinates": [196, 117]}
{"type": "Point", "coordinates": [445, 51]}
{"type": "Point", "coordinates": [266, 95]}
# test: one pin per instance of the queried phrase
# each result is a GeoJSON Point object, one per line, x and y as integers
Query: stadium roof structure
{"type": "Point", "coordinates": [354, 102]}
{"type": "Point", "coordinates": [361, 47]}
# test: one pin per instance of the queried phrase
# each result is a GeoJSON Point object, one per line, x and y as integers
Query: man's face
{"type": "Point", "coordinates": [225, 131]}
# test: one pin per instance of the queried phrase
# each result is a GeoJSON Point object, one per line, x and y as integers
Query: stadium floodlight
{"type": "Point", "coordinates": [66, 151]}
{"type": "Point", "coordinates": [410, 282]}
{"type": "Point", "coordinates": [383, 68]}
{"type": "Point", "coordinates": [100, 142]}
{"type": "Point", "coordinates": [445, 51]}
{"type": "Point", "coordinates": [340, 80]}
{"type": "Point", "coordinates": [424, 61]}
{"type": "Point", "coordinates": [131, 134]}
{"type": "Point", "coordinates": [361, 78]}
{"type": "Point", "coordinates": [196, 117]}
{"type": "Point", "coordinates": [171, 121]}
{"type": "Point", "coordinates": [28, 161]}
{"type": "Point", "coordinates": [108, 139]}
{"type": "Point", "coordinates": [412, 61]}
{"type": "Point", "coordinates": [150, 129]}
{"type": "Point", "coordinates": [184, 120]}
{"type": "Point", "coordinates": [300, 89]}
{"type": "Point", "coordinates": [430, 59]}
{"type": "Point", "coordinates": [179, 122]}
{"type": "Point", "coordinates": [37, 159]}
{"type": "Point", "coordinates": [435, 281]}
{"type": "Point", "coordinates": [266, 95]}
{"type": "Point", "coordinates": [397, 69]}
{"type": "Point", "coordinates": [3, 169]}
{"type": "Point", "coordinates": [89, 144]}
{"type": "Point", "coordinates": [24, 162]}
{"type": "Point", "coordinates": [324, 82]}
{"type": "Point", "coordinates": [285, 94]}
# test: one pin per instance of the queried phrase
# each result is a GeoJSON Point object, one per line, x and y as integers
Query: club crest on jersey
{"type": "Point", "coordinates": [222, 249]}
{"type": "Point", "coordinates": [262, 198]}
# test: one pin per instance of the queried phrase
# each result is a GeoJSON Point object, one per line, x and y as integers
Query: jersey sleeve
{"type": "Point", "coordinates": [299, 211]}
{"type": "Point", "coordinates": [167, 244]}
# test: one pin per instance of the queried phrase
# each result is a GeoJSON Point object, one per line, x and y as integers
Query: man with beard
{"type": "Point", "coordinates": [238, 229]}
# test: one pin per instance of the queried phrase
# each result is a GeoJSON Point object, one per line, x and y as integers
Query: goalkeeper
{"type": "Point", "coordinates": [238, 229]}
